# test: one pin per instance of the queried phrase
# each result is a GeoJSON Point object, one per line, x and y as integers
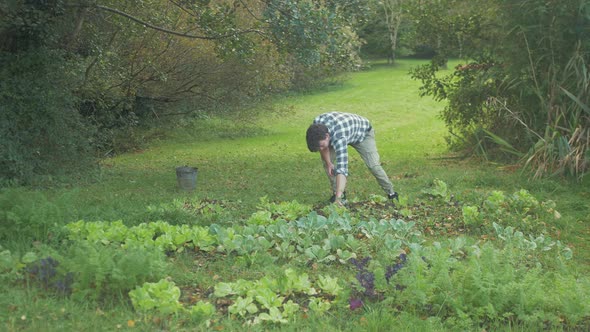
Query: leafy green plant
{"type": "Point", "coordinates": [471, 215]}
{"type": "Point", "coordinates": [288, 211]}
{"type": "Point", "coordinates": [243, 306]}
{"type": "Point", "coordinates": [329, 285]}
{"type": "Point", "coordinates": [535, 245]}
{"type": "Point", "coordinates": [101, 271]}
{"type": "Point", "coordinates": [319, 305]}
{"type": "Point", "coordinates": [273, 315]}
{"type": "Point", "coordinates": [202, 311]}
{"type": "Point", "coordinates": [439, 189]}
{"type": "Point", "coordinates": [261, 218]}
{"type": "Point", "coordinates": [495, 200]}
{"type": "Point", "coordinates": [160, 297]}
{"type": "Point", "coordinates": [12, 265]}
{"type": "Point", "coordinates": [272, 300]}
{"type": "Point", "coordinates": [521, 210]}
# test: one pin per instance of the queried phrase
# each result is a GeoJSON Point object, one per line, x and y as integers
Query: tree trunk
{"type": "Point", "coordinates": [393, 19]}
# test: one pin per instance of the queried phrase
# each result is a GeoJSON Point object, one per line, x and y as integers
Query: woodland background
{"type": "Point", "coordinates": [82, 80]}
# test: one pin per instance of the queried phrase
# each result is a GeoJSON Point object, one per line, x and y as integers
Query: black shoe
{"type": "Point", "coordinates": [342, 198]}
{"type": "Point", "coordinates": [393, 196]}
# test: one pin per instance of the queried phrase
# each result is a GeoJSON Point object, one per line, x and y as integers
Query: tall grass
{"type": "Point", "coordinates": [563, 147]}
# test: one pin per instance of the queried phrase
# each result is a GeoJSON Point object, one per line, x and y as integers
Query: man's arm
{"type": "Point", "coordinates": [340, 178]}
{"type": "Point", "coordinates": [340, 185]}
{"type": "Point", "coordinates": [325, 154]}
{"type": "Point", "coordinates": [341, 170]}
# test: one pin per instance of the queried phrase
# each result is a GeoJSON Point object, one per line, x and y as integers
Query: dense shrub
{"type": "Point", "coordinates": [41, 132]}
{"type": "Point", "coordinates": [79, 81]}
{"type": "Point", "coordinates": [524, 90]}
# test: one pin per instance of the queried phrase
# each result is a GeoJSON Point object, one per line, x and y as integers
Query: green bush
{"type": "Point", "coordinates": [523, 91]}
{"type": "Point", "coordinates": [41, 132]}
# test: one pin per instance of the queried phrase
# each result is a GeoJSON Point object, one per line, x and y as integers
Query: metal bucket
{"type": "Point", "coordinates": [186, 177]}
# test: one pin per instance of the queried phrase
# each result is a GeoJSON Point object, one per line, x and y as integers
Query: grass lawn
{"type": "Point", "coordinates": [241, 159]}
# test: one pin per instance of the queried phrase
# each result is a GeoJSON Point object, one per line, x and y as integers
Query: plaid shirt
{"type": "Point", "coordinates": [344, 129]}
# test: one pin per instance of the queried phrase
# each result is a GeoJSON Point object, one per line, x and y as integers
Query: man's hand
{"type": "Point", "coordinates": [330, 169]}
{"type": "Point", "coordinates": [340, 201]}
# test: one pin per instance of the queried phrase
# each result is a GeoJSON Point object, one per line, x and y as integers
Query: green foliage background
{"type": "Point", "coordinates": [523, 91]}
{"type": "Point", "coordinates": [82, 80]}
{"type": "Point", "coordinates": [42, 131]}
{"type": "Point", "coordinates": [79, 78]}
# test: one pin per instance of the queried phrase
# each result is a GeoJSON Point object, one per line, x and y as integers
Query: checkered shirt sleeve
{"type": "Point", "coordinates": [344, 129]}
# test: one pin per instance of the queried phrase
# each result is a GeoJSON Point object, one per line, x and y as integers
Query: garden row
{"type": "Point", "coordinates": [328, 261]}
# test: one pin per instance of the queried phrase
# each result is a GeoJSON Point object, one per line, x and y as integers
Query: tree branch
{"type": "Point", "coordinates": [172, 32]}
{"type": "Point", "coordinates": [250, 11]}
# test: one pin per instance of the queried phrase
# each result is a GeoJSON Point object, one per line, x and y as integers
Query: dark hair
{"type": "Point", "coordinates": [315, 133]}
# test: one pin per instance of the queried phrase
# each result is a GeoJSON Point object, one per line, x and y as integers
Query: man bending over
{"type": "Point", "coordinates": [331, 134]}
